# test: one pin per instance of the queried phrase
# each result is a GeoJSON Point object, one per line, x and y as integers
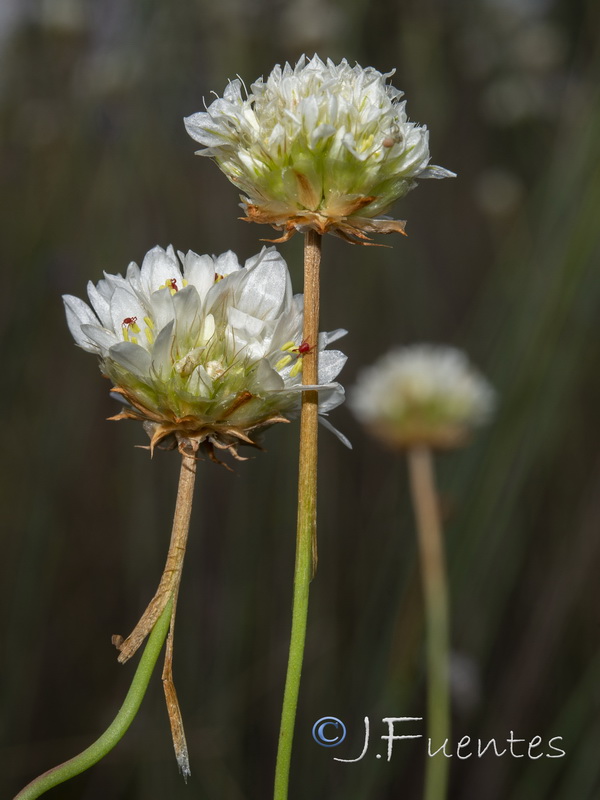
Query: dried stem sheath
{"type": "Point", "coordinates": [306, 539]}
{"type": "Point", "coordinates": [173, 710]}
{"type": "Point", "coordinates": [171, 576]}
{"type": "Point", "coordinates": [167, 588]}
{"type": "Point", "coordinates": [177, 547]}
{"type": "Point", "coordinates": [433, 571]}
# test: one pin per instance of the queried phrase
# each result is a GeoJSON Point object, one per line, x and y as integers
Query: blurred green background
{"type": "Point", "coordinates": [96, 169]}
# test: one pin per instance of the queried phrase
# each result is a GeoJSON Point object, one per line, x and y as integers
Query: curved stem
{"type": "Point", "coordinates": [120, 724]}
{"type": "Point", "coordinates": [157, 621]}
{"type": "Point", "coordinates": [306, 537]}
{"type": "Point", "coordinates": [433, 571]}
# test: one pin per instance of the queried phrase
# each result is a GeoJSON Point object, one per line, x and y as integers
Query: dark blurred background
{"type": "Point", "coordinates": [96, 168]}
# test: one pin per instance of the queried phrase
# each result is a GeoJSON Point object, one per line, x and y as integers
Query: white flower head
{"type": "Point", "coordinates": [422, 395]}
{"type": "Point", "coordinates": [203, 350]}
{"type": "Point", "coordinates": [319, 145]}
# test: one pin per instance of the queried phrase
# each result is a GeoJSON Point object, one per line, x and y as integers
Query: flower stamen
{"type": "Point", "coordinates": [130, 324]}
{"type": "Point", "coordinates": [171, 285]}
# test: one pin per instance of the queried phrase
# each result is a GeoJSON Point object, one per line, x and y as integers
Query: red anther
{"type": "Point", "coordinates": [129, 321]}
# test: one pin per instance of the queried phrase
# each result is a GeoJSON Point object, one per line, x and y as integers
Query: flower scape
{"type": "Point", "coordinates": [422, 395]}
{"type": "Point", "coordinates": [204, 351]}
{"type": "Point", "coordinates": [317, 146]}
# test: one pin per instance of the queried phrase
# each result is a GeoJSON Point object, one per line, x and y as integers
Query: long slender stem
{"type": "Point", "coordinates": [306, 538]}
{"type": "Point", "coordinates": [433, 572]}
{"type": "Point", "coordinates": [118, 727]}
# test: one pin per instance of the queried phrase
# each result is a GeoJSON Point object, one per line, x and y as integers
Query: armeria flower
{"type": "Point", "coordinates": [204, 351]}
{"type": "Point", "coordinates": [320, 146]}
{"type": "Point", "coordinates": [422, 395]}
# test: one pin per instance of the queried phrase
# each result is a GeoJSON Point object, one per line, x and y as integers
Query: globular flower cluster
{"type": "Point", "coordinates": [422, 395]}
{"type": "Point", "coordinates": [317, 146]}
{"type": "Point", "coordinates": [203, 350]}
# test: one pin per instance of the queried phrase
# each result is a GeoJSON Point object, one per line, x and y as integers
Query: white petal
{"type": "Point", "coordinates": [321, 132]}
{"type": "Point", "coordinates": [227, 263]}
{"type": "Point", "coordinates": [158, 268]}
{"type": "Point", "coordinates": [110, 283]}
{"type": "Point", "coordinates": [245, 325]}
{"type": "Point", "coordinates": [265, 289]}
{"type": "Point", "coordinates": [208, 329]}
{"type": "Point", "coordinates": [133, 276]}
{"type": "Point", "coordinates": [162, 351]}
{"type": "Point", "coordinates": [162, 308]}
{"type": "Point", "coordinates": [222, 292]}
{"type": "Point", "coordinates": [436, 172]}
{"type": "Point", "coordinates": [331, 336]}
{"type": "Point", "coordinates": [330, 364]}
{"type": "Point", "coordinates": [201, 127]}
{"type": "Point", "coordinates": [104, 338]}
{"type": "Point", "coordinates": [310, 113]}
{"type": "Point", "coordinates": [78, 314]}
{"type": "Point", "coordinates": [105, 288]}
{"type": "Point", "coordinates": [265, 254]}
{"type": "Point", "coordinates": [100, 305]}
{"type": "Point", "coordinates": [131, 356]}
{"type": "Point", "coordinates": [233, 91]}
{"type": "Point", "coordinates": [331, 398]}
{"type": "Point", "coordinates": [199, 271]}
{"type": "Point", "coordinates": [276, 140]}
{"type": "Point", "coordinates": [186, 304]}
{"type": "Point", "coordinates": [126, 305]}
{"type": "Point", "coordinates": [266, 378]}
{"type": "Point", "coordinates": [288, 327]}
{"type": "Point", "coordinates": [343, 439]}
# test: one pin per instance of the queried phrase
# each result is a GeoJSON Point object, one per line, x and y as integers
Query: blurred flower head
{"type": "Point", "coordinates": [422, 395]}
{"type": "Point", "coordinates": [319, 145]}
{"type": "Point", "coordinates": [201, 349]}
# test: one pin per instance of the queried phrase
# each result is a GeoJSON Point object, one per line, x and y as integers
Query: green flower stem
{"type": "Point", "coordinates": [115, 732]}
{"type": "Point", "coordinates": [433, 570]}
{"type": "Point", "coordinates": [306, 538]}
